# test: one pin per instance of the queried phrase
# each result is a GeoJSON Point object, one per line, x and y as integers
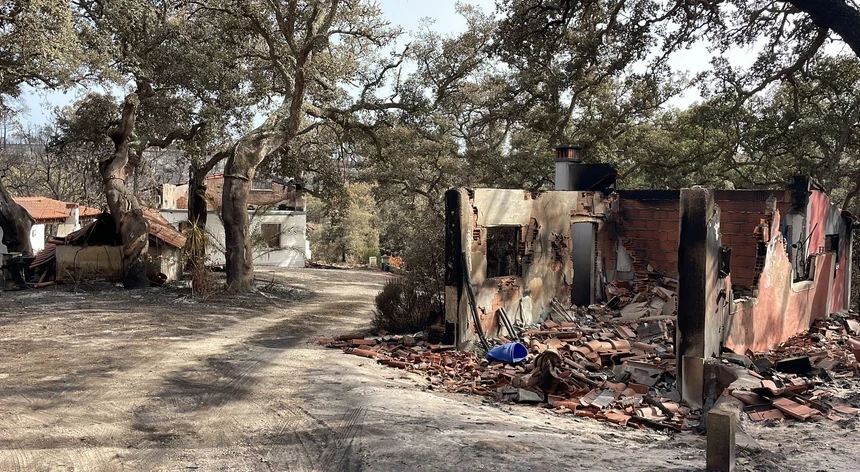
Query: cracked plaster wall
{"type": "Point", "coordinates": [546, 270]}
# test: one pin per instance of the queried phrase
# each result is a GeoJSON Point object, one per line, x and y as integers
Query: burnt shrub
{"type": "Point", "coordinates": [402, 307]}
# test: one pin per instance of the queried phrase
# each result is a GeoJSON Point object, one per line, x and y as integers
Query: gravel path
{"type": "Point", "coordinates": [113, 380]}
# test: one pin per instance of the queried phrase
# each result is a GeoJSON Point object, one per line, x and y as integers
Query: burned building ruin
{"type": "Point", "coordinates": [743, 270]}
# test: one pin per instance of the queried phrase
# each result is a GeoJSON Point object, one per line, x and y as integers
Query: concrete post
{"type": "Point", "coordinates": [699, 319]}
{"type": "Point", "coordinates": [721, 440]}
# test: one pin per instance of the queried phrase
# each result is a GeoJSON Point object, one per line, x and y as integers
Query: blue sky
{"type": "Point", "coordinates": [406, 13]}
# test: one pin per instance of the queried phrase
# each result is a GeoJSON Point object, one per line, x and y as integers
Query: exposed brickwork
{"type": "Point", "coordinates": [741, 212]}
{"type": "Point", "coordinates": [649, 231]}
{"type": "Point", "coordinates": [606, 244]}
{"type": "Point", "coordinates": [256, 197]}
{"type": "Point", "coordinates": [738, 221]}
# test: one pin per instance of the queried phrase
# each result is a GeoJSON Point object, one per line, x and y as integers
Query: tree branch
{"type": "Point", "coordinates": [836, 15]}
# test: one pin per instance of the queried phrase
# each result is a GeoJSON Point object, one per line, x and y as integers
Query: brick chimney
{"type": "Point", "coordinates": [572, 174]}
{"type": "Point", "coordinates": [565, 157]}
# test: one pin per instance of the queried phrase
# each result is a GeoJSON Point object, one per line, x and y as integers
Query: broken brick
{"type": "Point", "coordinates": [772, 414]}
{"type": "Point", "coordinates": [795, 410]}
{"type": "Point", "coordinates": [617, 417]}
{"type": "Point", "coordinates": [846, 410]}
{"type": "Point", "coordinates": [362, 352]}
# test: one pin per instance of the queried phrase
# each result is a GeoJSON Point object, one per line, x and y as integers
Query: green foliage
{"type": "Point", "coordinates": [346, 230]}
{"type": "Point", "coordinates": [38, 45]}
{"type": "Point", "coordinates": [803, 126]}
{"type": "Point", "coordinates": [194, 87]}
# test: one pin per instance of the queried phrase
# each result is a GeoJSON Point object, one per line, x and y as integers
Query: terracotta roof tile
{"type": "Point", "coordinates": [48, 210]}
{"type": "Point", "coordinates": [46, 255]}
{"type": "Point", "coordinates": [44, 210]}
{"type": "Point", "coordinates": [160, 228]}
{"type": "Point", "coordinates": [88, 212]}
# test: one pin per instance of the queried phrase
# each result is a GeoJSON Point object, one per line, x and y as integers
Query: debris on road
{"type": "Point", "coordinates": [801, 378]}
{"type": "Point", "coordinates": [597, 366]}
{"type": "Point", "coordinates": [622, 371]}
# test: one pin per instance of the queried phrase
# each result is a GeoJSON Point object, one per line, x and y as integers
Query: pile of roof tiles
{"type": "Point", "coordinates": [633, 300]}
{"type": "Point", "coordinates": [621, 372]}
{"type": "Point", "coordinates": [596, 364]}
{"type": "Point", "coordinates": [804, 377]}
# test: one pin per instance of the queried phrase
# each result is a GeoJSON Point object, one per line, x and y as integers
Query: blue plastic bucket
{"type": "Point", "coordinates": [510, 353]}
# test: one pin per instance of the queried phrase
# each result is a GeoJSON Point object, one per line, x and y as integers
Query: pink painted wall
{"type": "Point", "coordinates": [828, 219]}
{"type": "Point", "coordinates": [837, 296]}
{"type": "Point", "coordinates": [782, 308]}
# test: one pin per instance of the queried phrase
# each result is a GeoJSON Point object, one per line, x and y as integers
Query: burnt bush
{"type": "Point", "coordinates": [415, 233]}
{"type": "Point", "coordinates": [402, 307]}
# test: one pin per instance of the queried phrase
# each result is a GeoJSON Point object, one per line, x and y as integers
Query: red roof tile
{"type": "Point", "coordinates": [44, 210]}
{"type": "Point", "coordinates": [86, 212]}
{"type": "Point", "coordinates": [160, 228]}
{"type": "Point", "coordinates": [48, 210]}
{"type": "Point", "coordinates": [46, 255]}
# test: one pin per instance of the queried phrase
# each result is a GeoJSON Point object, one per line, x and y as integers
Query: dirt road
{"type": "Point", "coordinates": [152, 380]}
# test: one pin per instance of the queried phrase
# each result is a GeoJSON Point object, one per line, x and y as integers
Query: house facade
{"type": "Point", "coordinates": [741, 270]}
{"type": "Point", "coordinates": [52, 218]}
{"type": "Point", "coordinates": [276, 209]}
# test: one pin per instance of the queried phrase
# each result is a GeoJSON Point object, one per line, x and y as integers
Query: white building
{"type": "Point", "coordinates": [52, 218]}
{"type": "Point", "coordinates": [276, 210]}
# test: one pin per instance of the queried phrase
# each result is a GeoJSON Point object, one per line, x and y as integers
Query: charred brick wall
{"type": "Point", "coordinates": [741, 212]}
{"type": "Point", "coordinates": [738, 223]}
{"type": "Point", "coordinates": [648, 228]}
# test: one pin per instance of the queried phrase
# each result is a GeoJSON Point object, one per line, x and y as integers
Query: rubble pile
{"type": "Point", "coordinates": [803, 377]}
{"type": "Point", "coordinates": [657, 297]}
{"type": "Point", "coordinates": [622, 372]}
{"type": "Point", "coordinates": [598, 364]}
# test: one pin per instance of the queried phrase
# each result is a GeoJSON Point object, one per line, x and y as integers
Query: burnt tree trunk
{"type": "Point", "coordinates": [197, 216]}
{"type": "Point", "coordinates": [198, 208]}
{"type": "Point", "coordinates": [123, 203]}
{"type": "Point", "coordinates": [238, 255]}
{"type": "Point", "coordinates": [238, 174]}
{"type": "Point", "coordinates": [197, 205]}
{"type": "Point", "coordinates": [16, 224]}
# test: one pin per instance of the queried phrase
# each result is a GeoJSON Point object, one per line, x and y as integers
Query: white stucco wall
{"type": "Point", "coordinates": [293, 239]}
{"type": "Point", "coordinates": [165, 259]}
{"type": "Point", "coordinates": [37, 239]}
{"type": "Point", "coordinates": [72, 223]}
{"type": "Point", "coordinates": [294, 247]}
